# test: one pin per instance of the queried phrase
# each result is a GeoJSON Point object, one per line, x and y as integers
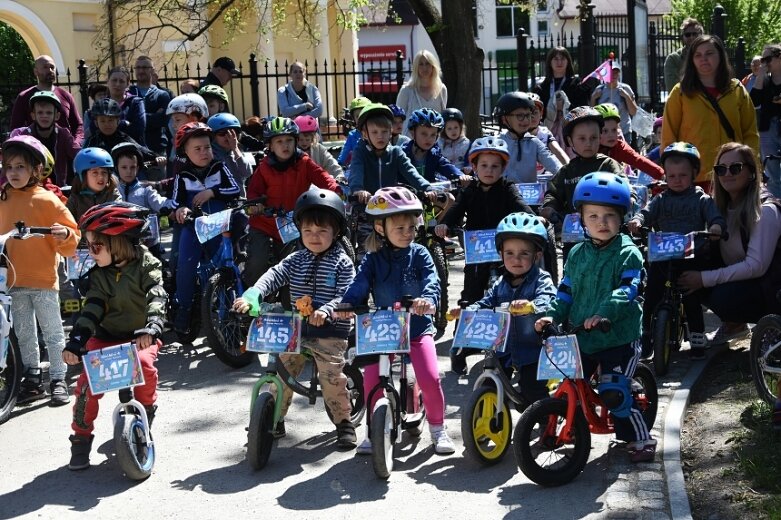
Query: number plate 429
{"type": "Point", "coordinates": [382, 332]}
{"type": "Point", "coordinates": [482, 329]}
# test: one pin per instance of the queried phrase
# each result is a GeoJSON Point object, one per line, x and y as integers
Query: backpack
{"type": "Point", "coordinates": [771, 280]}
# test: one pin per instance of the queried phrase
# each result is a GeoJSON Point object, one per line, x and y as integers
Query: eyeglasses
{"type": "Point", "coordinates": [522, 117]}
{"type": "Point", "coordinates": [734, 169]}
{"type": "Point", "coordinates": [692, 34]}
{"type": "Point", "coordinates": [95, 247]}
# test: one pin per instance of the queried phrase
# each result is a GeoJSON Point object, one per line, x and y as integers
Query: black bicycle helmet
{"type": "Point", "coordinates": [452, 114]}
{"type": "Point", "coordinates": [125, 149]}
{"type": "Point", "coordinates": [512, 101]}
{"type": "Point", "coordinates": [317, 198]}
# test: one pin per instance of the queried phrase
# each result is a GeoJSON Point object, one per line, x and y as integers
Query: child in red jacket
{"type": "Point", "coordinates": [620, 150]}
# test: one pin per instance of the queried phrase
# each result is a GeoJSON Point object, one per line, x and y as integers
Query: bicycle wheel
{"type": "Point", "coordinates": [542, 456]}
{"type": "Point", "coordinates": [348, 248]}
{"type": "Point", "coordinates": [550, 255]}
{"type": "Point", "coordinates": [766, 367]}
{"type": "Point", "coordinates": [225, 331]}
{"type": "Point", "coordinates": [645, 393]}
{"type": "Point", "coordinates": [10, 378]}
{"type": "Point", "coordinates": [415, 406]}
{"type": "Point", "coordinates": [135, 457]}
{"type": "Point", "coordinates": [382, 437]}
{"type": "Point", "coordinates": [355, 393]}
{"type": "Point", "coordinates": [438, 255]}
{"type": "Point", "coordinates": [663, 334]}
{"type": "Point", "coordinates": [486, 438]}
{"type": "Point", "coordinates": [260, 438]}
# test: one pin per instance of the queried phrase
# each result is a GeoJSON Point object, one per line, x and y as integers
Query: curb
{"type": "Point", "coordinates": [671, 452]}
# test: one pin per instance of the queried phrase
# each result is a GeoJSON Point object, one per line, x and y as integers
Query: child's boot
{"type": "Point", "coordinates": [80, 448]}
{"type": "Point", "coordinates": [698, 343]}
{"type": "Point", "coordinates": [32, 386]}
{"type": "Point", "coordinates": [59, 391]}
{"type": "Point", "coordinates": [345, 435]}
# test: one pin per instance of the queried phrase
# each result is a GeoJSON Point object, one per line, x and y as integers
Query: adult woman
{"type": "Point", "coordinates": [744, 289]}
{"type": "Point", "coordinates": [425, 88]}
{"type": "Point", "coordinates": [561, 88]}
{"type": "Point", "coordinates": [299, 97]}
{"type": "Point", "coordinates": [709, 108]}
{"type": "Point", "coordinates": [132, 120]}
{"type": "Point", "coordinates": [766, 94]}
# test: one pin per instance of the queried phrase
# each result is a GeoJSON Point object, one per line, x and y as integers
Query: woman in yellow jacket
{"type": "Point", "coordinates": [690, 116]}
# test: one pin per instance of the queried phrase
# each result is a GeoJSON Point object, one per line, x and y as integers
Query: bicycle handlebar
{"type": "Point", "coordinates": [23, 230]}
{"type": "Point", "coordinates": [405, 303]}
{"type": "Point", "coordinates": [551, 329]}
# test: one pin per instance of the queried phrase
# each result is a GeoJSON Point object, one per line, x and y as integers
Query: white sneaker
{"type": "Point", "coordinates": [442, 443]}
{"type": "Point", "coordinates": [365, 447]}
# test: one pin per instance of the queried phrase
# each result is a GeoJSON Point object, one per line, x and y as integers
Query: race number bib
{"type": "Point", "coordinates": [670, 246]}
{"type": "Point", "coordinates": [480, 246]}
{"type": "Point", "coordinates": [382, 332]}
{"type": "Point", "coordinates": [113, 368]}
{"type": "Point", "coordinates": [79, 264]}
{"type": "Point", "coordinates": [287, 228]}
{"type": "Point", "coordinates": [482, 329]}
{"type": "Point", "coordinates": [560, 354]}
{"type": "Point", "coordinates": [275, 333]}
{"type": "Point", "coordinates": [209, 226]}
{"type": "Point", "coordinates": [533, 193]}
{"type": "Point", "coordinates": [571, 230]}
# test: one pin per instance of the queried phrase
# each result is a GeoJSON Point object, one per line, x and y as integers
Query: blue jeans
{"type": "Point", "coordinates": [190, 254]}
{"type": "Point", "coordinates": [770, 143]}
{"type": "Point", "coordinates": [42, 305]}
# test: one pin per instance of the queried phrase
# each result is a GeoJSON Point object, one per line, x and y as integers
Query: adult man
{"type": "Point", "coordinates": [223, 70]}
{"type": "Point", "coordinates": [690, 29]}
{"type": "Point", "coordinates": [46, 73]}
{"type": "Point", "coordinates": [155, 102]}
{"type": "Point", "coordinates": [621, 95]}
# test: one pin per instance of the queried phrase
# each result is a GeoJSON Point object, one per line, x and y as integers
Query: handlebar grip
{"type": "Point", "coordinates": [40, 230]}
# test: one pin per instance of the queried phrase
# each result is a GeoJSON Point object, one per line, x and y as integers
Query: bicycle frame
{"type": "Point", "coordinates": [493, 371]}
{"type": "Point", "coordinates": [399, 396]}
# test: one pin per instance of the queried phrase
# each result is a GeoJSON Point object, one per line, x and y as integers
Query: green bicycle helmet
{"type": "Point", "coordinates": [682, 149]}
{"type": "Point", "coordinates": [524, 226]}
{"type": "Point", "coordinates": [372, 110]}
{"type": "Point", "coordinates": [359, 103]}
{"type": "Point", "coordinates": [280, 126]}
{"type": "Point", "coordinates": [47, 97]}
{"type": "Point", "coordinates": [608, 111]}
{"type": "Point", "coordinates": [215, 92]}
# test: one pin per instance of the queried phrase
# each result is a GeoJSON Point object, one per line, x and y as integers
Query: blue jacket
{"type": "Point", "coordinates": [388, 275]}
{"type": "Point", "coordinates": [434, 164]}
{"type": "Point", "coordinates": [156, 134]}
{"type": "Point", "coordinates": [525, 153]}
{"type": "Point", "coordinates": [145, 196]}
{"type": "Point", "coordinates": [523, 343]}
{"type": "Point", "coordinates": [345, 156]}
{"type": "Point", "coordinates": [370, 172]}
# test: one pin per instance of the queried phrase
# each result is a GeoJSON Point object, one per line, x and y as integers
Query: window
{"type": "Point", "coordinates": [542, 27]}
{"type": "Point", "coordinates": [509, 18]}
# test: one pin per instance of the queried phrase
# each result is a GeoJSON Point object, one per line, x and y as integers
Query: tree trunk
{"type": "Point", "coordinates": [452, 34]}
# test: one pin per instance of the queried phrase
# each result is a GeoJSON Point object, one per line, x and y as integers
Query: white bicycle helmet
{"type": "Point", "coordinates": [187, 104]}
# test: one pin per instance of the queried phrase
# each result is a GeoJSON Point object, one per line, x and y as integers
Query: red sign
{"type": "Point", "coordinates": [380, 52]}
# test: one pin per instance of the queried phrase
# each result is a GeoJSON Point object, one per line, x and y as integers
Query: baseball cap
{"type": "Point", "coordinates": [616, 65]}
{"type": "Point", "coordinates": [227, 64]}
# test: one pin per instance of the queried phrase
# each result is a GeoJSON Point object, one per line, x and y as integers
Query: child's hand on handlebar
{"type": "Point", "coordinates": [716, 230]}
{"type": "Point", "coordinates": [203, 197]}
{"type": "Point", "coordinates": [240, 305]}
{"type": "Point", "coordinates": [161, 161]}
{"type": "Point", "coordinates": [181, 214]}
{"type": "Point", "coordinates": [465, 180]}
{"type": "Point", "coordinates": [521, 307]}
{"type": "Point", "coordinates": [542, 323]}
{"type": "Point", "coordinates": [633, 226]}
{"type": "Point", "coordinates": [70, 358]}
{"type": "Point", "coordinates": [145, 341]}
{"type": "Point", "coordinates": [363, 196]}
{"type": "Point", "coordinates": [60, 232]}
{"type": "Point", "coordinates": [454, 313]}
{"type": "Point", "coordinates": [317, 318]}
{"type": "Point", "coordinates": [592, 322]}
{"type": "Point", "coordinates": [432, 196]}
{"type": "Point", "coordinates": [441, 230]}
{"type": "Point", "coordinates": [422, 306]}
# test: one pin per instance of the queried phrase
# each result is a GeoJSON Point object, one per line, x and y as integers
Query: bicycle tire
{"type": "Point", "coordinates": [135, 458]}
{"type": "Point", "coordinates": [348, 248]}
{"type": "Point", "coordinates": [10, 379]}
{"type": "Point", "coordinates": [438, 255]}
{"type": "Point", "coordinates": [225, 332]}
{"type": "Point", "coordinates": [550, 255]}
{"type": "Point", "coordinates": [485, 439]}
{"type": "Point", "coordinates": [530, 443]}
{"type": "Point", "coordinates": [664, 325]}
{"type": "Point", "coordinates": [766, 334]}
{"type": "Point", "coordinates": [260, 437]}
{"type": "Point", "coordinates": [415, 393]}
{"type": "Point", "coordinates": [645, 393]}
{"type": "Point", "coordinates": [382, 440]}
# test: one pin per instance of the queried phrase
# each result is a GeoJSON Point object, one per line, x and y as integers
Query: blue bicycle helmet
{"type": "Point", "coordinates": [524, 226]}
{"type": "Point", "coordinates": [604, 189]}
{"type": "Point", "coordinates": [223, 121]}
{"type": "Point", "coordinates": [398, 112]}
{"type": "Point", "coordinates": [682, 149]}
{"type": "Point", "coordinates": [91, 158]}
{"type": "Point", "coordinates": [489, 144]}
{"type": "Point", "coordinates": [425, 117]}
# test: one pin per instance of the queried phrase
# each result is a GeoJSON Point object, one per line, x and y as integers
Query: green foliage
{"type": "Point", "coordinates": [757, 21]}
{"type": "Point", "coordinates": [17, 58]}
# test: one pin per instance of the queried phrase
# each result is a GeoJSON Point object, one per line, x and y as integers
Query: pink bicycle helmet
{"type": "Point", "coordinates": [393, 200]}
{"type": "Point", "coordinates": [306, 124]}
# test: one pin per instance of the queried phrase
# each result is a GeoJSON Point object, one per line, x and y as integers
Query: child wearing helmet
{"type": "Point", "coordinates": [520, 240]}
{"type": "Point", "coordinates": [94, 182]}
{"type": "Point", "coordinates": [126, 302]}
{"type": "Point", "coordinates": [543, 133]}
{"type": "Point", "coordinates": [453, 142]}
{"type": "Point", "coordinates": [309, 142]}
{"type": "Point", "coordinates": [282, 176]}
{"type": "Point", "coordinates": [45, 109]}
{"type": "Point", "coordinates": [425, 125]}
{"type": "Point", "coordinates": [682, 208]}
{"type": "Point", "coordinates": [395, 266]}
{"type": "Point", "coordinates": [602, 279]}
{"type": "Point", "coordinates": [183, 109]}
{"type": "Point", "coordinates": [514, 113]}
{"type": "Point", "coordinates": [226, 147]}
{"type": "Point", "coordinates": [613, 144]}
{"type": "Point", "coordinates": [216, 99]}
{"type": "Point", "coordinates": [397, 130]}
{"type": "Point", "coordinates": [33, 280]}
{"type": "Point", "coordinates": [355, 108]}
{"type": "Point", "coordinates": [321, 271]}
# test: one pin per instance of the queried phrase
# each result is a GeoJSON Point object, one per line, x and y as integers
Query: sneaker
{"type": "Point", "coordinates": [727, 332]}
{"type": "Point", "coordinates": [345, 435]}
{"type": "Point", "coordinates": [80, 448]}
{"type": "Point", "coordinates": [59, 391]}
{"type": "Point", "coordinates": [642, 451]}
{"type": "Point", "coordinates": [279, 431]}
{"type": "Point", "coordinates": [31, 387]}
{"type": "Point", "coordinates": [365, 447]}
{"type": "Point", "coordinates": [442, 443]}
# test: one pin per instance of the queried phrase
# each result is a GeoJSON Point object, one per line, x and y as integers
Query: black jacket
{"type": "Point", "coordinates": [485, 209]}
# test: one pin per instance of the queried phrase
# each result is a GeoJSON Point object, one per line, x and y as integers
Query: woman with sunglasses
{"type": "Point", "coordinates": [744, 289]}
{"type": "Point", "coordinates": [708, 107]}
{"type": "Point", "coordinates": [766, 94]}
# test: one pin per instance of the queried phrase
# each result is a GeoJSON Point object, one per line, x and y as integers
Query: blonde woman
{"type": "Point", "coordinates": [425, 88]}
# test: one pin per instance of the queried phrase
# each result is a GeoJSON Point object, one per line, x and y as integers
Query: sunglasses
{"type": "Point", "coordinates": [692, 34]}
{"type": "Point", "coordinates": [734, 169]}
{"type": "Point", "coordinates": [95, 247]}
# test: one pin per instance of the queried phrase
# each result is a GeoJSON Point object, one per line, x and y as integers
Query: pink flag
{"type": "Point", "coordinates": [603, 73]}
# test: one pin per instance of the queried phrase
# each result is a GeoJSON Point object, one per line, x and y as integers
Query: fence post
{"type": "Point", "coordinates": [652, 62]}
{"type": "Point", "coordinates": [523, 60]}
{"type": "Point", "coordinates": [588, 46]}
{"type": "Point", "coordinates": [717, 26]}
{"type": "Point", "coordinates": [399, 68]}
{"type": "Point", "coordinates": [254, 83]}
{"type": "Point", "coordinates": [740, 58]}
{"type": "Point", "coordinates": [83, 88]}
